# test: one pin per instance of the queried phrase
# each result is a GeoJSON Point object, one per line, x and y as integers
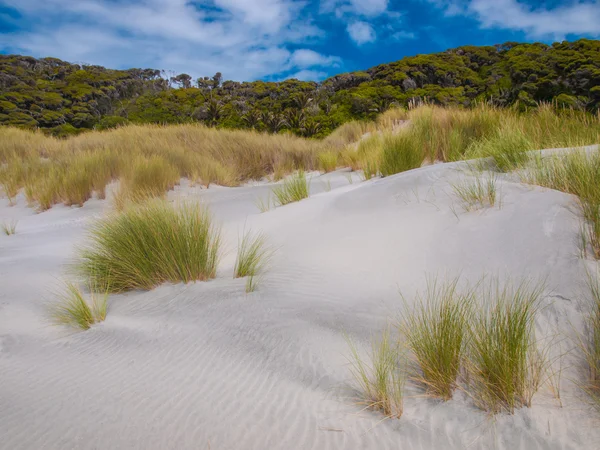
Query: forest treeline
{"type": "Point", "coordinates": [64, 99]}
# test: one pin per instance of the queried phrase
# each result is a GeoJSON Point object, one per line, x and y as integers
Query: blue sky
{"type": "Point", "coordinates": [278, 39]}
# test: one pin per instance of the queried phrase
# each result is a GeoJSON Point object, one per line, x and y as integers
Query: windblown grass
{"type": "Point", "coordinates": [436, 332]}
{"type": "Point", "coordinates": [71, 170]}
{"type": "Point", "coordinates": [400, 153]}
{"type": "Point", "coordinates": [293, 189]}
{"type": "Point", "coordinates": [9, 228]}
{"type": "Point", "coordinates": [252, 256]}
{"type": "Point", "coordinates": [149, 244]}
{"type": "Point", "coordinates": [508, 147]}
{"type": "Point", "coordinates": [380, 382]}
{"type": "Point", "coordinates": [589, 343]}
{"type": "Point", "coordinates": [72, 309]}
{"type": "Point", "coordinates": [328, 161]}
{"type": "Point", "coordinates": [504, 365]}
{"type": "Point", "coordinates": [477, 193]}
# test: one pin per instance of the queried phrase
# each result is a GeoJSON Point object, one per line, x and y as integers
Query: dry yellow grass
{"type": "Point", "coordinates": [149, 159]}
{"type": "Point", "coordinates": [73, 170]}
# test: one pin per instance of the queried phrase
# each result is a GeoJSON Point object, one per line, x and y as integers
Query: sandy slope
{"type": "Point", "coordinates": [207, 366]}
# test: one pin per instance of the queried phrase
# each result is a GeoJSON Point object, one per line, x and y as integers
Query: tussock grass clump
{"type": "Point", "coordinates": [380, 381]}
{"type": "Point", "coordinates": [149, 244]}
{"type": "Point", "coordinates": [508, 147]}
{"type": "Point", "coordinates": [9, 227]}
{"type": "Point", "coordinates": [72, 309]}
{"type": "Point", "coordinates": [436, 332]}
{"type": "Point", "coordinates": [328, 161]}
{"type": "Point", "coordinates": [252, 256]}
{"type": "Point", "coordinates": [400, 153]}
{"type": "Point", "coordinates": [293, 189]}
{"type": "Point", "coordinates": [504, 366]}
{"type": "Point", "coordinates": [589, 343]}
{"type": "Point", "coordinates": [477, 193]}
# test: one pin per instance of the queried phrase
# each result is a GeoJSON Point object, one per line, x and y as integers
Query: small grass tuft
{"type": "Point", "coordinates": [149, 244]}
{"type": "Point", "coordinates": [262, 204]}
{"type": "Point", "coordinates": [477, 193]}
{"type": "Point", "coordinates": [293, 189]}
{"type": "Point", "coordinates": [72, 309]}
{"type": "Point", "coordinates": [9, 228]}
{"type": "Point", "coordinates": [252, 255]}
{"type": "Point", "coordinates": [381, 382]}
{"type": "Point", "coordinates": [436, 331]}
{"type": "Point", "coordinates": [504, 366]}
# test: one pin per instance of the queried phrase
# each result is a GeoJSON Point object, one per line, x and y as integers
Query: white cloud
{"type": "Point", "coordinates": [341, 8]}
{"type": "Point", "coordinates": [361, 32]}
{"type": "Point", "coordinates": [243, 39]}
{"type": "Point", "coordinates": [576, 17]}
{"type": "Point", "coordinates": [309, 58]}
{"type": "Point", "coordinates": [308, 75]}
{"type": "Point", "coordinates": [403, 35]}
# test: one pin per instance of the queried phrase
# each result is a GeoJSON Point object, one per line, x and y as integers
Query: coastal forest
{"type": "Point", "coordinates": [65, 99]}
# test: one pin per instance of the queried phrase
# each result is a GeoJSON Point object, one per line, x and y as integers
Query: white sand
{"type": "Point", "coordinates": [206, 366]}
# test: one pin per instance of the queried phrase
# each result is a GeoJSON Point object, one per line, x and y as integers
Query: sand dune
{"type": "Point", "coordinates": [207, 366]}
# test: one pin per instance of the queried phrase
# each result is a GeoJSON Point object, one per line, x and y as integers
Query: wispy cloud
{"type": "Point", "coordinates": [244, 39]}
{"type": "Point", "coordinates": [537, 21]}
{"type": "Point", "coordinates": [361, 32]}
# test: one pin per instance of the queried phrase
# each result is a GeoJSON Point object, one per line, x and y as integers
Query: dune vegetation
{"type": "Point", "coordinates": [9, 227]}
{"type": "Point", "coordinates": [293, 189]}
{"type": "Point", "coordinates": [477, 192]}
{"type": "Point", "coordinates": [379, 381]}
{"type": "Point", "coordinates": [149, 160]}
{"type": "Point", "coordinates": [252, 257]}
{"type": "Point", "coordinates": [148, 244]}
{"type": "Point", "coordinates": [479, 339]}
{"type": "Point", "coordinates": [70, 307]}
{"type": "Point", "coordinates": [436, 332]}
{"type": "Point", "coordinates": [589, 343]}
{"type": "Point", "coordinates": [504, 365]}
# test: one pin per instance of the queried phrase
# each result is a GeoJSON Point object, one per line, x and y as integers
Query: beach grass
{"type": "Point", "coordinates": [252, 255]}
{"type": "Point", "coordinates": [148, 244]}
{"type": "Point", "coordinates": [328, 161]}
{"type": "Point", "coordinates": [399, 153]}
{"type": "Point", "coordinates": [293, 189]}
{"type": "Point", "coordinates": [477, 192]}
{"type": "Point", "coordinates": [70, 308]}
{"type": "Point", "coordinates": [504, 365]}
{"type": "Point", "coordinates": [436, 330]}
{"type": "Point", "coordinates": [589, 343]}
{"type": "Point", "coordinates": [380, 380]}
{"type": "Point", "coordinates": [9, 227]}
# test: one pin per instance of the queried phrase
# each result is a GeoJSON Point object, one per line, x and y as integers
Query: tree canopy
{"type": "Point", "coordinates": [64, 98]}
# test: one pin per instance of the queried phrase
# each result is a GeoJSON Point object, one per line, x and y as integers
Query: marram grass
{"type": "Point", "coordinates": [149, 244]}
{"type": "Point", "coordinates": [436, 330]}
{"type": "Point", "coordinates": [70, 308]}
{"type": "Point", "coordinates": [252, 256]}
{"type": "Point", "coordinates": [380, 381]}
{"type": "Point", "coordinates": [504, 365]}
{"type": "Point", "coordinates": [293, 189]}
{"type": "Point", "coordinates": [589, 343]}
{"type": "Point", "coordinates": [478, 192]}
{"type": "Point", "coordinates": [9, 228]}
